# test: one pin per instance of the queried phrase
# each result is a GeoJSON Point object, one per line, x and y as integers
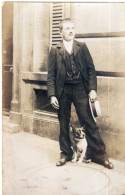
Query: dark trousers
{"type": "Point", "coordinates": [76, 94]}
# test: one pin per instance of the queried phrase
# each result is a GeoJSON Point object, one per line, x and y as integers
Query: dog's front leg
{"type": "Point", "coordinates": [81, 157]}
{"type": "Point", "coordinates": [74, 157]}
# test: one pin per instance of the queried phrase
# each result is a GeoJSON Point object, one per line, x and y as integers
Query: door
{"type": "Point", "coordinates": [7, 55]}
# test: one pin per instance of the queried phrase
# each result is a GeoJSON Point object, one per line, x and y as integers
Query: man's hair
{"type": "Point", "coordinates": [64, 21]}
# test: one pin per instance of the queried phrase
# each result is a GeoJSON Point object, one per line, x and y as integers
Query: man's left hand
{"type": "Point", "coordinates": [93, 95]}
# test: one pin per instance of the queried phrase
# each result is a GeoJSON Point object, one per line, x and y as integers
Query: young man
{"type": "Point", "coordinates": [72, 79]}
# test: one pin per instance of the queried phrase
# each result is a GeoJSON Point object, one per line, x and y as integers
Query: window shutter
{"type": "Point", "coordinates": [57, 14]}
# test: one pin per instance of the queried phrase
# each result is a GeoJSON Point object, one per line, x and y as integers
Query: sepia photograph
{"type": "Point", "coordinates": [63, 98]}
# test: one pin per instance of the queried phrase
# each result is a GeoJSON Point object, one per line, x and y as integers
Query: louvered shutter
{"type": "Point", "coordinates": [57, 14]}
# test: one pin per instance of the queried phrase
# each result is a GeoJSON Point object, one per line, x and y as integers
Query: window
{"type": "Point", "coordinates": [57, 14]}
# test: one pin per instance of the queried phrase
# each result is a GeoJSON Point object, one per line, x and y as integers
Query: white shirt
{"type": "Point", "coordinates": [68, 45]}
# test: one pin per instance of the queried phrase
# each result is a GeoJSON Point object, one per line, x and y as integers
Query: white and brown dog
{"type": "Point", "coordinates": [79, 143]}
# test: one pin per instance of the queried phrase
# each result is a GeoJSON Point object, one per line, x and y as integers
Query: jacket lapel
{"type": "Point", "coordinates": [62, 51]}
{"type": "Point", "coordinates": [75, 47]}
{"type": "Point", "coordinates": [61, 48]}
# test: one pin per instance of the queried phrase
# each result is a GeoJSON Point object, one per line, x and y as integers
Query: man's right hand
{"type": "Point", "coordinates": [54, 102]}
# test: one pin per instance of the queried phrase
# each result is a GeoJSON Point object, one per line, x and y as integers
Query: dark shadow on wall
{"type": "Point", "coordinates": [7, 55]}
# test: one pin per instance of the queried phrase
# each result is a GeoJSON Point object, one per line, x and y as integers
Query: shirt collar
{"type": "Point", "coordinates": [67, 42]}
{"type": "Point", "coordinates": [68, 45]}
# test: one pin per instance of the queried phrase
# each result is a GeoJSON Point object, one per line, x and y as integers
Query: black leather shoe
{"type": "Point", "coordinates": [61, 162]}
{"type": "Point", "coordinates": [63, 159]}
{"type": "Point", "coordinates": [105, 163]}
{"type": "Point", "coordinates": [108, 164]}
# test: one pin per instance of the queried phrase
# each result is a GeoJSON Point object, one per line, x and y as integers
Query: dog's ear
{"type": "Point", "coordinates": [83, 129]}
{"type": "Point", "coordinates": [70, 127]}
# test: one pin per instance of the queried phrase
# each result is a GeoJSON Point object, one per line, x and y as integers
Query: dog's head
{"type": "Point", "coordinates": [78, 132]}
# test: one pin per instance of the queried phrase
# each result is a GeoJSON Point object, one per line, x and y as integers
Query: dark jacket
{"type": "Point", "coordinates": [57, 68]}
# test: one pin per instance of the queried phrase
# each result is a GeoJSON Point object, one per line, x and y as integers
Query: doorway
{"type": "Point", "coordinates": [7, 56]}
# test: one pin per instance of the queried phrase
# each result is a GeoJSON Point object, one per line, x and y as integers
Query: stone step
{"type": "Point", "coordinates": [8, 126]}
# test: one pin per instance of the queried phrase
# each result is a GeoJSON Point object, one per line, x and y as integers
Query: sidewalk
{"type": "Point", "coordinates": [29, 169]}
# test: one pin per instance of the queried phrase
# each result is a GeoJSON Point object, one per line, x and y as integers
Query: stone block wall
{"type": "Point", "coordinates": [112, 122]}
{"type": "Point", "coordinates": [101, 26]}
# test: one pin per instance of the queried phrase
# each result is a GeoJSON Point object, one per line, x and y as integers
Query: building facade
{"type": "Point", "coordinates": [35, 30]}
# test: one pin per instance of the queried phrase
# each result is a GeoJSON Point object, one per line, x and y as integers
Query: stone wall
{"type": "Point", "coordinates": [101, 26]}
{"type": "Point", "coordinates": [30, 53]}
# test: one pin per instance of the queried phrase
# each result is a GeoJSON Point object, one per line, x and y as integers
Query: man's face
{"type": "Point", "coordinates": [68, 31]}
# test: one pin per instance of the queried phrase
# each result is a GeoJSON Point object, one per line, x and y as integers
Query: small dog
{"type": "Point", "coordinates": [79, 143]}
